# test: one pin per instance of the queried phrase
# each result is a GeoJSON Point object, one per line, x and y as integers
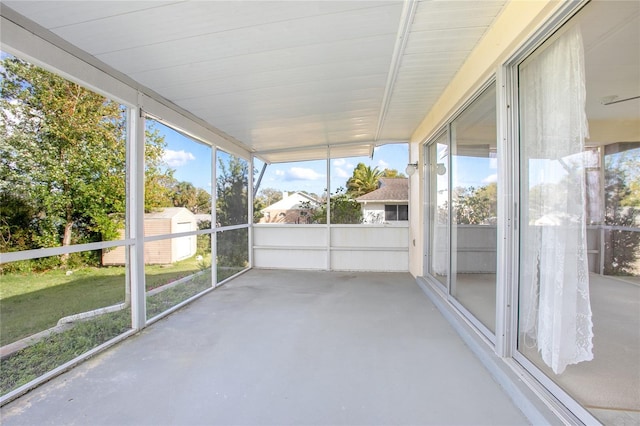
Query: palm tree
{"type": "Point", "coordinates": [364, 180]}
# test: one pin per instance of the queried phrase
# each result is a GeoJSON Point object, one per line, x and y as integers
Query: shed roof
{"type": "Point", "coordinates": [389, 190]}
{"type": "Point", "coordinates": [168, 213]}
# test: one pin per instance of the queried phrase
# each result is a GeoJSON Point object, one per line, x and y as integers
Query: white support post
{"type": "Point", "coordinates": [601, 253]}
{"type": "Point", "coordinates": [136, 137]}
{"type": "Point", "coordinates": [250, 212]}
{"type": "Point", "coordinates": [328, 183]}
{"type": "Point", "coordinates": [214, 220]}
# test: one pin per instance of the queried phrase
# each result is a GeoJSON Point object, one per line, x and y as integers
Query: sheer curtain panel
{"type": "Point", "coordinates": [555, 311]}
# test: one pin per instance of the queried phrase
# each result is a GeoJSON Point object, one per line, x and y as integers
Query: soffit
{"type": "Point", "coordinates": [284, 78]}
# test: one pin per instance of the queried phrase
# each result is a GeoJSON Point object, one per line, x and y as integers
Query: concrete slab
{"type": "Point", "coordinates": [283, 347]}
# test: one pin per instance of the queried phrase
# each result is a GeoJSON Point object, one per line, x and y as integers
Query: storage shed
{"type": "Point", "coordinates": [170, 220]}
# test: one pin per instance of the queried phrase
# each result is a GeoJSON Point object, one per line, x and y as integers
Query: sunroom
{"type": "Point", "coordinates": [515, 123]}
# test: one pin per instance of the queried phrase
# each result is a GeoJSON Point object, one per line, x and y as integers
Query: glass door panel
{"type": "Point", "coordinates": [474, 208]}
{"type": "Point", "coordinates": [438, 257]}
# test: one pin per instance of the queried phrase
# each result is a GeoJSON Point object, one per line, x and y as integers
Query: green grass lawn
{"type": "Point", "coordinates": [35, 302]}
{"type": "Point", "coordinates": [30, 303]}
{"type": "Point", "coordinates": [57, 349]}
{"type": "Point", "coordinates": [33, 361]}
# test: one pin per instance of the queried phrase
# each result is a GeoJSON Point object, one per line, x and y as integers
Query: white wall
{"type": "Point", "coordinates": [338, 248]}
{"type": "Point", "coordinates": [290, 246]}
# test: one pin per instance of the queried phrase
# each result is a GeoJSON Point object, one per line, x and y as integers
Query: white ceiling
{"type": "Point", "coordinates": [612, 59]}
{"type": "Point", "coordinates": [282, 75]}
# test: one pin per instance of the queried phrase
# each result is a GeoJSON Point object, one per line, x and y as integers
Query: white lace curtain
{"type": "Point", "coordinates": [555, 311]}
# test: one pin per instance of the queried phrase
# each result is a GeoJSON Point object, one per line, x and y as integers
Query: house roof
{"type": "Point", "coordinates": [389, 190]}
{"type": "Point", "coordinates": [293, 201]}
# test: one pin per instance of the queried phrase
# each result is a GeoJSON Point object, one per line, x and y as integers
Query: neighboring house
{"type": "Point", "coordinates": [294, 208]}
{"type": "Point", "coordinates": [388, 203]}
{"type": "Point", "coordinates": [170, 220]}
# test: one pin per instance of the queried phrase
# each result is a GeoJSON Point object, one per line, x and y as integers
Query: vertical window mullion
{"type": "Point", "coordinates": [136, 137]}
{"type": "Point", "coordinates": [214, 219]}
{"type": "Point", "coordinates": [507, 236]}
{"type": "Point", "coordinates": [450, 137]}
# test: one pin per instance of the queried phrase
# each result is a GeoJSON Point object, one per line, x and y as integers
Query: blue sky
{"type": "Point", "coordinates": [191, 160]}
{"type": "Point", "coordinates": [474, 171]}
{"type": "Point", "coordinates": [192, 163]}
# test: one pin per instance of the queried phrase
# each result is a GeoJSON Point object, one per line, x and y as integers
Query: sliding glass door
{"type": "Point", "coordinates": [462, 185]}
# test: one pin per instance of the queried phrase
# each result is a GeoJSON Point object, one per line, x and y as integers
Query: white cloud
{"type": "Point", "coordinates": [383, 164]}
{"type": "Point", "coordinates": [177, 158]}
{"type": "Point", "coordinates": [344, 163]}
{"type": "Point", "coordinates": [301, 173]}
{"type": "Point", "coordinates": [491, 178]}
{"type": "Point", "coordinates": [338, 172]}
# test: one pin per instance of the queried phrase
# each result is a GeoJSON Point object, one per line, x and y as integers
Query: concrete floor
{"type": "Point", "coordinates": [283, 348]}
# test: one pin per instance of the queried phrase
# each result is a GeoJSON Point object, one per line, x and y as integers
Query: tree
{"type": "Point", "coordinates": [621, 209]}
{"type": "Point", "coordinates": [63, 149]}
{"type": "Point", "coordinates": [392, 173]}
{"type": "Point", "coordinates": [62, 160]}
{"type": "Point", "coordinates": [475, 206]}
{"type": "Point", "coordinates": [269, 196]}
{"type": "Point", "coordinates": [258, 206]}
{"type": "Point", "coordinates": [158, 176]}
{"type": "Point", "coordinates": [197, 200]}
{"type": "Point", "coordinates": [364, 180]}
{"type": "Point", "coordinates": [16, 214]}
{"type": "Point", "coordinates": [203, 202]}
{"type": "Point", "coordinates": [184, 195]}
{"type": "Point", "coordinates": [344, 209]}
{"type": "Point", "coordinates": [633, 197]}
{"type": "Point", "coordinates": [232, 186]}
{"type": "Point", "coordinates": [232, 209]}
{"type": "Point", "coordinates": [627, 165]}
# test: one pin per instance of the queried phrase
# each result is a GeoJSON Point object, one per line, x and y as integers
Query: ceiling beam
{"type": "Point", "coordinates": [406, 19]}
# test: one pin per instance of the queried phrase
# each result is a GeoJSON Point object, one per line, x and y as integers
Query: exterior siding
{"type": "Point", "coordinates": [161, 251]}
